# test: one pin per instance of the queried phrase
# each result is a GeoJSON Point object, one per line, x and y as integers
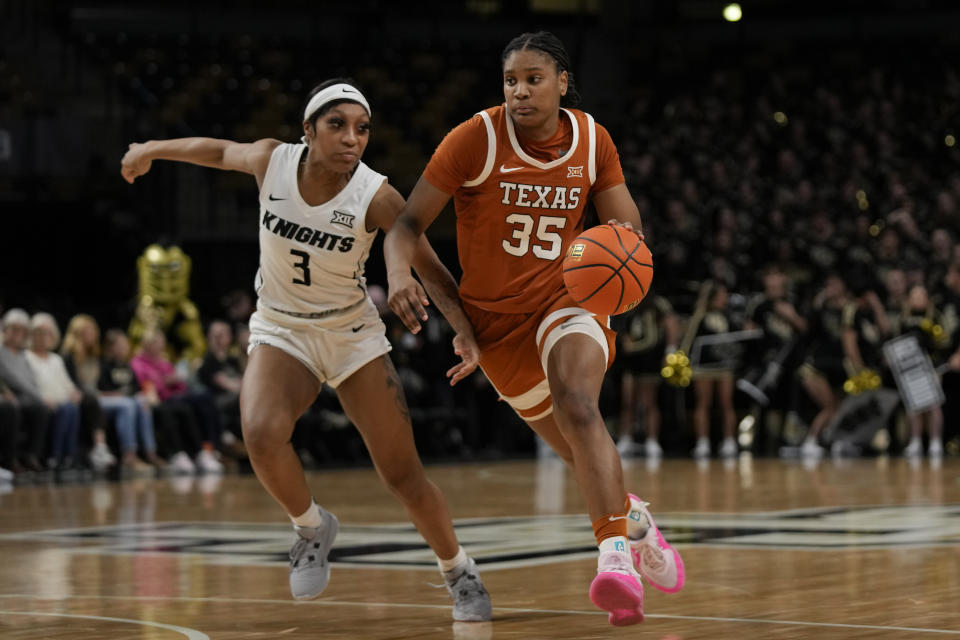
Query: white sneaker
{"type": "Point", "coordinates": [181, 463]}
{"type": "Point", "coordinates": [935, 450]}
{"type": "Point", "coordinates": [625, 446]}
{"type": "Point", "coordinates": [729, 448]}
{"type": "Point", "coordinates": [810, 449]}
{"type": "Point", "coordinates": [652, 448]}
{"type": "Point", "coordinates": [702, 450]}
{"type": "Point", "coordinates": [653, 556]}
{"type": "Point", "coordinates": [6, 475]}
{"type": "Point", "coordinates": [207, 463]}
{"type": "Point", "coordinates": [914, 449]}
{"type": "Point", "coordinates": [100, 457]}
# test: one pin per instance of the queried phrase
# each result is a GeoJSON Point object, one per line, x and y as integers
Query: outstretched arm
{"type": "Point", "coordinates": [400, 247]}
{"type": "Point", "coordinates": [251, 158]}
{"type": "Point", "coordinates": [437, 280]}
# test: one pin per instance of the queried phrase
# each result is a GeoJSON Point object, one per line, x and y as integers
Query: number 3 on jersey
{"type": "Point", "coordinates": [549, 241]}
{"type": "Point", "coordinates": [303, 265]}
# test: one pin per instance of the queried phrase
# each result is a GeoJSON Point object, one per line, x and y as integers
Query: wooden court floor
{"type": "Point", "coordinates": [857, 549]}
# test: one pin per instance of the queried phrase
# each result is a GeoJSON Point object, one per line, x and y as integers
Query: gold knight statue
{"type": "Point", "coordinates": [164, 275]}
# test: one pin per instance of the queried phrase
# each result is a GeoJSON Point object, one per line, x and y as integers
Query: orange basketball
{"type": "Point", "coordinates": [608, 270]}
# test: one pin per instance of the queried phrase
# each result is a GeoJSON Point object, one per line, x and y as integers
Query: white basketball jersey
{"type": "Point", "coordinates": [312, 258]}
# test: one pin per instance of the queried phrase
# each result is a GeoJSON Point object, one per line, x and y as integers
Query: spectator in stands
{"type": "Point", "coordinates": [118, 381]}
{"type": "Point", "coordinates": [9, 433]}
{"type": "Point", "coordinates": [222, 375]}
{"type": "Point", "coordinates": [774, 312]}
{"type": "Point", "coordinates": [57, 390]}
{"type": "Point", "coordinates": [18, 377]}
{"type": "Point", "coordinates": [950, 312]}
{"type": "Point", "coordinates": [919, 319]}
{"type": "Point", "coordinates": [81, 353]}
{"type": "Point", "coordinates": [713, 371]}
{"type": "Point", "coordinates": [132, 420]}
{"type": "Point", "coordinates": [156, 374]}
{"type": "Point", "coordinates": [896, 301]}
{"type": "Point", "coordinates": [823, 372]}
{"type": "Point", "coordinates": [649, 332]}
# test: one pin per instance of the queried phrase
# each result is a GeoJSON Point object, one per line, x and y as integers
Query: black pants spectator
{"type": "Point", "coordinates": [176, 428]}
{"type": "Point", "coordinates": [9, 432]}
{"type": "Point", "coordinates": [34, 427]}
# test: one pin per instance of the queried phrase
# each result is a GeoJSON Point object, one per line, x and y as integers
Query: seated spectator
{"type": "Point", "coordinates": [81, 352]}
{"type": "Point", "coordinates": [18, 377]}
{"type": "Point", "coordinates": [157, 375]}
{"type": "Point", "coordinates": [119, 394]}
{"type": "Point", "coordinates": [57, 390]}
{"type": "Point", "coordinates": [118, 378]}
{"type": "Point", "coordinates": [221, 374]}
{"type": "Point", "coordinates": [9, 432]}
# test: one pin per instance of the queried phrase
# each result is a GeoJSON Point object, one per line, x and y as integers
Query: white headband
{"type": "Point", "coordinates": [335, 92]}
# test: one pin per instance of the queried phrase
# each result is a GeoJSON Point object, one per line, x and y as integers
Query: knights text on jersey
{"type": "Point", "coordinates": [312, 258]}
{"type": "Point", "coordinates": [517, 215]}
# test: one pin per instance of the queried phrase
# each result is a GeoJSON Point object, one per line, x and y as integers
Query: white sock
{"type": "Point", "coordinates": [615, 543]}
{"type": "Point", "coordinates": [454, 562]}
{"type": "Point", "coordinates": [309, 518]}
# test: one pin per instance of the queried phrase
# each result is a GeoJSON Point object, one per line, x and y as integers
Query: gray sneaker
{"type": "Point", "coordinates": [471, 602]}
{"type": "Point", "coordinates": [309, 567]}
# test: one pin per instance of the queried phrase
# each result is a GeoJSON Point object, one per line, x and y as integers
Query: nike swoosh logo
{"type": "Point", "coordinates": [355, 329]}
{"type": "Point", "coordinates": [345, 90]}
{"type": "Point", "coordinates": [615, 518]}
{"type": "Point", "coordinates": [505, 169]}
{"type": "Point", "coordinates": [271, 198]}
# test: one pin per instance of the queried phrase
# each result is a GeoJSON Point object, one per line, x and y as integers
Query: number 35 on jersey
{"type": "Point", "coordinates": [537, 233]}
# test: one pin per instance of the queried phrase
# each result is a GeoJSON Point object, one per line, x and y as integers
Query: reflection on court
{"type": "Point", "coordinates": [855, 549]}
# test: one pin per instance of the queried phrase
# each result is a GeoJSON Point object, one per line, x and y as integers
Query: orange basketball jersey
{"type": "Point", "coordinates": [519, 203]}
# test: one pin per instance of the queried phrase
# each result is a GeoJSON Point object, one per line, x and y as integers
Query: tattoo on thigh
{"type": "Point", "coordinates": [393, 382]}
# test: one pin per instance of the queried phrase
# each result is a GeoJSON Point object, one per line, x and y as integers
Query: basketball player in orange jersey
{"type": "Point", "coordinates": [520, 175]}
{"type": "Point", "coordinates": [320, 210]}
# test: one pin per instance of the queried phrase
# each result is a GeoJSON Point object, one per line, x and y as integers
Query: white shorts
{"type": "Point", "coordinates": [333, 347]}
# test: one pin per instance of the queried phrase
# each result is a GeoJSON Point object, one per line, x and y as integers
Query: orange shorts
{"type": "Point", "coordinates": [514, 348]}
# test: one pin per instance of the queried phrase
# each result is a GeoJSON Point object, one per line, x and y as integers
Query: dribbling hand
{"type": "Point", "coordinates": [407, 299]}
{"type": "Point", "coordinates": [465, 347]}
{"type": "Point", "coordinates": [628, 226]}
{"type": "Point", "coordinates": [134, 163]}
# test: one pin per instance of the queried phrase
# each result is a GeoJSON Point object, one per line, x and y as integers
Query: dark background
{"type": "Point", "coordinates": [80, 80]}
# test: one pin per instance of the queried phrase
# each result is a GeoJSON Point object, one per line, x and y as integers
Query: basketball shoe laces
{"type": "Point", "coordinates": [299, 549]}
{"type": "Point", "coordinates": [653, 558]}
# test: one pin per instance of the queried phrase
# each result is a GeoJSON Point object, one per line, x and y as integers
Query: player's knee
{"type": "Point", "coordinates": [404, 480]}
{"type": "Point", "coordinates": [263, 435]}
{"type": "Point", "coordinates": [577, 410]}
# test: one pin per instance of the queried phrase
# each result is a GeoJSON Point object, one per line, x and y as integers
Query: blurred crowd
{"type": "Point", "coordinates": [820, 209]}
{"type": "Point", "coordinates": [801, 204]}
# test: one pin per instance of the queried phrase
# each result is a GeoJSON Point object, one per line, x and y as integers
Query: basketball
{"type": "Point", "coordinates": [608, 270]}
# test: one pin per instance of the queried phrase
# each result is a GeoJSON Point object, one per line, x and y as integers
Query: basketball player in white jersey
{"type": "Point", "coordinates": [320, 209]}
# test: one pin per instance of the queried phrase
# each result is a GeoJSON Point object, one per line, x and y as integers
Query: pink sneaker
{"type": "Point", "coordinates": [653, 557]}
{"type": "Point", "coordinates": [617, 589]}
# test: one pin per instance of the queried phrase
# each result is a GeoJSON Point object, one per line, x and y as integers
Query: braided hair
{"type": "Point", "coordinates": [547, 43]}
